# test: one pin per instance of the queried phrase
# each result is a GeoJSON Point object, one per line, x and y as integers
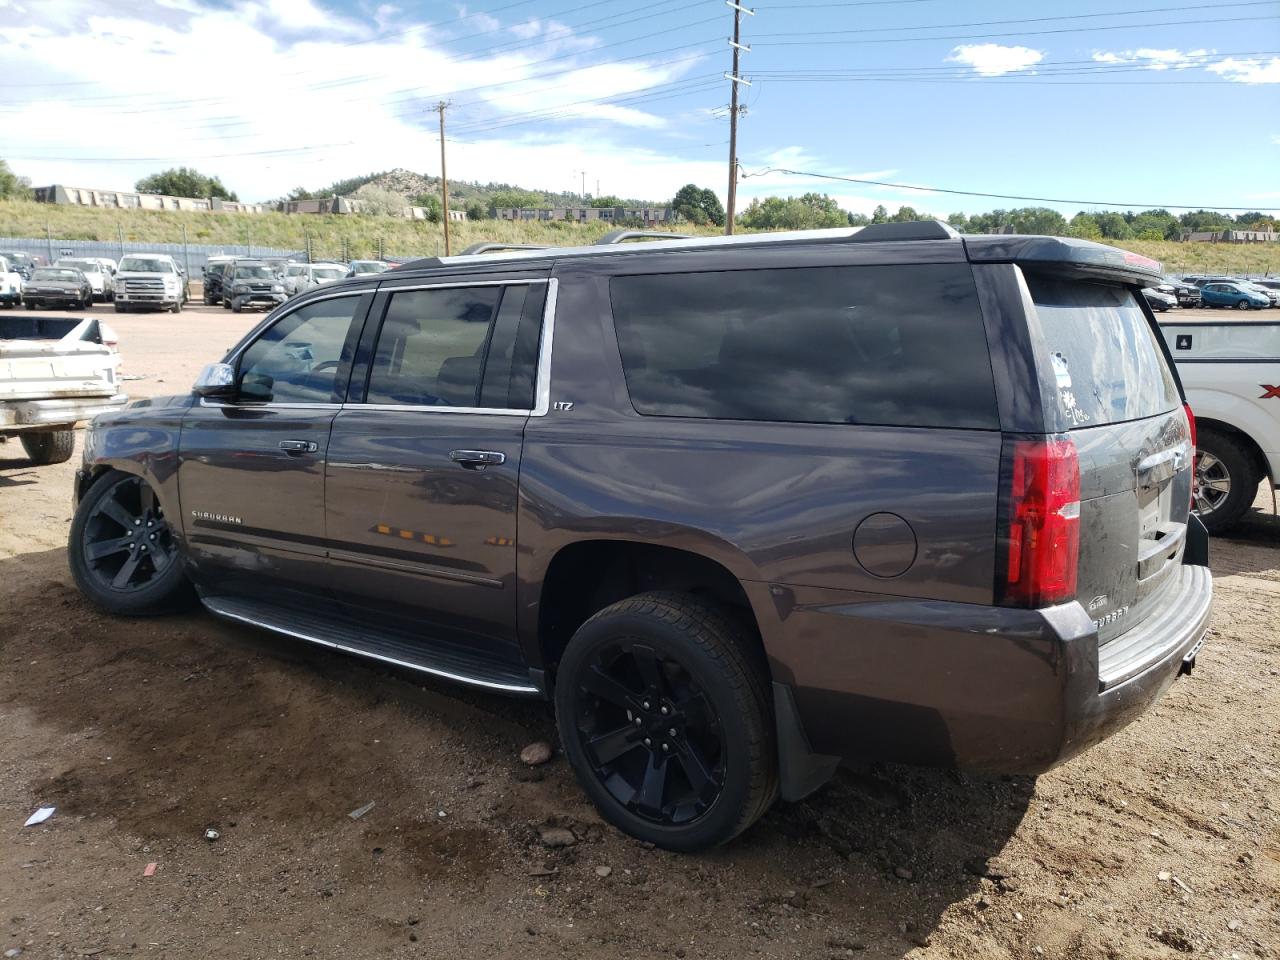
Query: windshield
{"type": "Point", "coordinates": [368, 266]}
{"type": "Point", "coordinates": [145, 265]}
{"type": "Point", "coordinates": [55, 273]}
{"type": "Point", "coordinates": [296, 270]}
{"type": "Point", "coordinates": [255, 272]}
{"type": "Point", "coordinates": [84, 266]}
{"type": "Point", "coordinates": [329, 274]}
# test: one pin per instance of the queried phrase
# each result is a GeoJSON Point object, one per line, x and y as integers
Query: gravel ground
{"type": "Point", "coordinates": [1163, 841]}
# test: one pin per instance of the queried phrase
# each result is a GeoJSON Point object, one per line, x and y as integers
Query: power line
{"type": "Point", "coordinates": [994, 196]}
{"type": "Point", "coordinates": [1018, 33]}
{"type": "Point", "coordinates": [1072, 16]}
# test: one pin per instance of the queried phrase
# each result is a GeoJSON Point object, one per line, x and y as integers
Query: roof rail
{"type": "Point", "coordinates": [911, 230]}
{"type": "Point", "coordinates": [489, 247]}
{"type": "Point", "coordinates": [620, 236]}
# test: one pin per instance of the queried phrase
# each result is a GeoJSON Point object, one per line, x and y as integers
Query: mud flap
{"type": "Point", "coordinates": [800, 770]}
{"type": "Point", "coordinates": [1196, 552]}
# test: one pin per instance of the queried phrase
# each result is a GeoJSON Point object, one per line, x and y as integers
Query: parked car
{"type": "Point", "coordinates": [363, 268]}
{"type": "Point", "coordinates": [20, 261]}
{"type": "Point", "coordinates": [740, 507]}
{"type": "Point", "coordinates": [301, 277]}
{"type": "Point", "coordinates": [149, 281]}
{"type": "Point", "coordinates": [10, 284]}
{"type": "Point", "coordinates": [1231, 373]}
{"type": "Point", "coordinates": [1222, 294]}
{"type": "Point", "coordinates": [57, 286]}
{"type": "Point", "coordinates": [1187, 294]}
{"type": "Point", "coordinates": [99, 280]}
{"type": "Point", "coordinates": [1158, 300]}
{"type": "Point", "coordinates": [54, 374]}
{"type": "Point", "coordinates": [213, 277]}
{"type": "Point", "coordinates": [1273, 296]}
{"type": "Point", "coordinates": [251, 283]}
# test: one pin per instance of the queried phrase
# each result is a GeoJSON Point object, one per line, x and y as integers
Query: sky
{"type": "Point", "coordinates": [1129, 102]}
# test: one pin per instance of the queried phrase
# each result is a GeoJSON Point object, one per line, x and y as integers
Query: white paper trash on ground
{"type": "Point", "coordinates": [40, 816]}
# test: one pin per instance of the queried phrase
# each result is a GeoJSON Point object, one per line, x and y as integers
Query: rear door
{"type": "Point", "coordinates": [422, 476]}
{"type": "Point", "coordinates": [1107, 383]}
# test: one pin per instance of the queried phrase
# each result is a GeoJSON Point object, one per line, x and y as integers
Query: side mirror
{"type": "Point", "coordinates": [216, 381]}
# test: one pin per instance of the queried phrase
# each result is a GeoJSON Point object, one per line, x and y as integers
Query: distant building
{"type": "Point", "coordinates": [127, 200]}
{"type": "Point", "coordinates": [1233, 236]}
{"type": "Point", "coordinates": [649, 216]}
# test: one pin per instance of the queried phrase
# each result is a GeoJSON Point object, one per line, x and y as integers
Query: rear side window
{"type": "Point", "coordinates": [894, 345]}
{"type": "Point", "coordinates": [1102, 354]}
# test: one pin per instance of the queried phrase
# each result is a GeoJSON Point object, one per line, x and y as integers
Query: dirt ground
{"type": "Point", "coordinates": [1163, 841]}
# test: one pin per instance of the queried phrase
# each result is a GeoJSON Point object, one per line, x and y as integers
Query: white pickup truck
{"type": "Point", "coordinates": [1230, 371]}
{"type": "Point", "coordinates": [54, 374]}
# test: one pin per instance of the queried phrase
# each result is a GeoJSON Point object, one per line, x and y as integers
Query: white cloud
{"type": "Point", "coordinates": [1248, 71]}
{"type": "Point", "coordinates": [1153, 59]}
{"type": "Point", "coordinates": [157, 82]}
{"type": "Point", "coordinates": [993, 59]}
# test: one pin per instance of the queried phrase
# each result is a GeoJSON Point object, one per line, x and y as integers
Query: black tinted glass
{"type": "Point", "coordinates": [1103, 357]}
{"type": "Point", "coordinates": [432, 345]}
{"type": "Point", "coordinates": [298, 359]}
{"type": "Point", "coordinates": [897, 345]}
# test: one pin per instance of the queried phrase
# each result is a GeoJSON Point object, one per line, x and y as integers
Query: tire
{"type": "Point", "coordinates": [46, 448]}
{"type": "Point", "coordinates": [120, 308]}
{"type": "Point", "coordinates": [1221, 457]}
{"type": "Point", "coordinates": [226, 304]}
{"type": "Point", "coordinates": [1242, 305]}
{"type": "Point", "coordinates": [706, 682]}
{"type": "Point", "coordinates": [176, 308]}
{"type": "Point", "coordinates": [30, 304]}
{"type": "Point", "coordinates": [104, 520]}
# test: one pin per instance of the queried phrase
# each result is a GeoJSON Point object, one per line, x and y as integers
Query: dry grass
{"type": "Point", "coordinates": [403, 238]}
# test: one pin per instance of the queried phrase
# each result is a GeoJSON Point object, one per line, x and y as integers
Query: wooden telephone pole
{"type": "Point", "coordinates": [734, 79]}
{"type": "Point", "coordinates": [444, 177]}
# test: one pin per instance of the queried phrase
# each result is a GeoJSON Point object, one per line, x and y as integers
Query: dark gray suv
{"type": "Point", "coordinates": [741, 507]}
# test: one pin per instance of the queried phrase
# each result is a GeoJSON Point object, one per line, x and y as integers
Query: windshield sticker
{"type": "Point", "coordinates": [1062, 374]}
{"type": "Point", "coordinates": [1060, 371]}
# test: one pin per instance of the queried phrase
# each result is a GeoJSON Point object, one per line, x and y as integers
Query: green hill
{"type": "Point", "coordinates": [404, 238]}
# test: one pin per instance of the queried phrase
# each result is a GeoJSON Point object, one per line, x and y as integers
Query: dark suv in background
{"type": "Point", "coordinates": [741, 507]}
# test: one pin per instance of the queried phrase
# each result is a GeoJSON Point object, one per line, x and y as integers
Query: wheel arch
{"type": "Point", "coordinates": [585, 576]}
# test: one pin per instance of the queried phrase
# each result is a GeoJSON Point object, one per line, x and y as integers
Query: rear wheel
{"type": "Point", "coordinates": [1226, 480]}
{"type": "Point", "coordinates": [665, 716]}
{"type": "Point", "coordinates": [45, 448]}
{"type": "Point", "coordinates": [31, 304]}
{"type": "Point", "coordinates": [122, 553]}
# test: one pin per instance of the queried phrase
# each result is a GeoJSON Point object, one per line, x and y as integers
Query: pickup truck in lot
{"type": "Point", "coordinates": [1230, 371]}
{"type": "Point", "coordinates": [55, 373]}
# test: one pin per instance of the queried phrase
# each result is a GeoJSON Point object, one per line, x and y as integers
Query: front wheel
{"type": "Point", "coordinates": [665, 716]}
{"type": "Point", "coordinates": [122, 553]}
{"type": "Point", "coordinates": [1242, 305]}
{"type": "Point", "coordinates": [176, 308]}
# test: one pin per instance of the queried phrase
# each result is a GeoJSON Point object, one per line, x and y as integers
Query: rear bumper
{"type": "Point", "coordinates": [977, 687]}
{"type": "Point", "coordinates": [37, 414]}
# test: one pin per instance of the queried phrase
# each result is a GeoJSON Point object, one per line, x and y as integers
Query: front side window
{"type": "Point", "coordinates": [298, 359]}
{"type": "Point", "coordinates": [458, 347]}
{"type": "Point", "coordinates": [892, 345]}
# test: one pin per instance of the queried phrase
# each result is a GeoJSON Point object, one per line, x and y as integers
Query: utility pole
{"type": "Point", "coordinates": [444, 177]}
{"type": "Point", "coordinates": [734, 79]}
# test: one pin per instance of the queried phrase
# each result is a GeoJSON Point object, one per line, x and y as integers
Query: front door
{"type": "Point", "coordinates": [422, 475]}
{"type": "Point", "coordinates": [251, 471]}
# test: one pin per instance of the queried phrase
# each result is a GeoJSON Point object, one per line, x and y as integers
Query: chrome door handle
{"type": "Point", "coordinates": [298, 446]}
{"type": "Point", "coordinates": [478, 458]}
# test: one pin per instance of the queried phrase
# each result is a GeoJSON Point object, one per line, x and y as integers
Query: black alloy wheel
{"type": "Point", "coordinates": [123, 554]}
{"type": "Point", "coordinates": [127, 543]}
{"type": "Point", "coordinates": [650, 734]}
{"type": "Point", "coordinates": [665, 714]}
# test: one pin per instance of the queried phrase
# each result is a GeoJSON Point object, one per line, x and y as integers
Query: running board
{"type": "Point", "coordinates": [386, 646]}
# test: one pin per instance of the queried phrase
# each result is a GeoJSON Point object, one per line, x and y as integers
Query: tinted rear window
{"type": "Point", "coordinates": [896, 345]}
{"type": "Point", "coordinates": [1103, 355]}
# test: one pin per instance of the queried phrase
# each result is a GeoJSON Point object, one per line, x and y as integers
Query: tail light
{"type": "Point", "coordinates": [1191, 425]}
{"type": "Point", "coordinates": [1044, 523]}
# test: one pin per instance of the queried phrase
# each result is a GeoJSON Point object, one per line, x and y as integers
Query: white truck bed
{"type": "Point", "coordinates": [56, 371]}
